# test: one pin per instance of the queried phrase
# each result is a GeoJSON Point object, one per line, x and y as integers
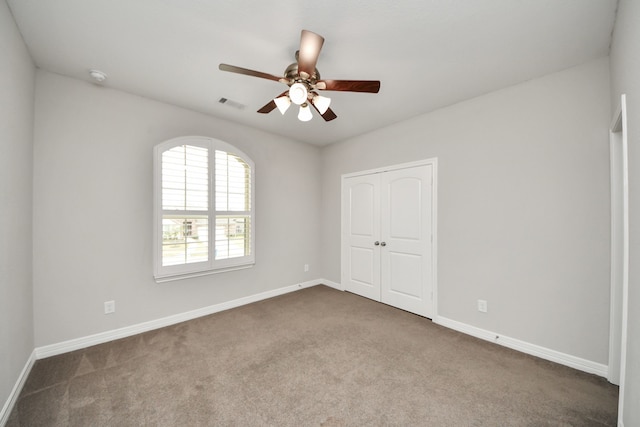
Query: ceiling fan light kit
{"type": "Point", "coordinates": [303, 80]}
{"type": "Point", "coordinates": [283, 103]}
{"type": "Point", "coordinates": [304, 115]}
{"type": "Point", "coordinates": [322, 103]}
{"type": "Point", "coordinates": [298, 93]}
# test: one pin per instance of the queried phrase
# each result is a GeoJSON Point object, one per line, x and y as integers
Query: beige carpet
{"type": "Point", "coordinates": [316, 357]}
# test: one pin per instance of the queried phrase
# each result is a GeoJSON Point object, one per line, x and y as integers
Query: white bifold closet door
{"type": "Point", "coordinates": [387, 245]}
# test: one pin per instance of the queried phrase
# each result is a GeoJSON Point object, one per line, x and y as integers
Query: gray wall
{"type": "Point", "coordinates": [625, 78]}
{"type": "Point", "coordinates": [523, 198]}
{"type": "Point", "coordinates": [93, 210]}
{"type": "Point", "coordinates": [17, 74]}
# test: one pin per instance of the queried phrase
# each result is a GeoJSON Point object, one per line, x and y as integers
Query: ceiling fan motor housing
{"type": "Point", "coordinates": [291, 74]}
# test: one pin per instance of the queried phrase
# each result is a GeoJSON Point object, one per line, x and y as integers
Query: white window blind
{"type": "Point", "coordinates": [185, 178]}
{"type": "Point", "coordinates": [201, 181]}
{"type": "Point", "coordinates": [233, 206]}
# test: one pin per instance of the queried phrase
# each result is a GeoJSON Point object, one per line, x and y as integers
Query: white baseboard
{"type": "Point", "coordinates": [127, 331]}
{"type": "Point", "coordinates": [331, 284]}
{"type": "Point", "coordinates": [17, 388]}
{"type": "Point", "coordinates": [83, 342]}
{"type": "Point", "coordinates": [525, 347]}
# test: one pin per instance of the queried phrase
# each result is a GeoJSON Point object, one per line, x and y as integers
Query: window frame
{"type": "Point", "coordinates": [211, 266]}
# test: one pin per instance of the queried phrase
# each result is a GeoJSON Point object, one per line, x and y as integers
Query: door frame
{"type": "Point", "coordinates": [619, 250]}
{"type": "Point", "coordinates": [434, 218]}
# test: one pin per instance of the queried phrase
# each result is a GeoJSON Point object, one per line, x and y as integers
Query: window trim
{"type": "Point", "coordinates": [212, 266]}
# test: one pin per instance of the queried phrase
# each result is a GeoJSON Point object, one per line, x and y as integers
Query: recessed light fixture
{"type": "Point", "coordinates": [97, 76]}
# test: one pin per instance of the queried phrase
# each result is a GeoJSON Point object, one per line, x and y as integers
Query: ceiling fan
{"type": "Point", "coordinates": [304, 81]}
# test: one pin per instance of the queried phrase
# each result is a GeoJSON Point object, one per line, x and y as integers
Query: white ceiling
{"type": "Point", "coordinates": [427, 53]}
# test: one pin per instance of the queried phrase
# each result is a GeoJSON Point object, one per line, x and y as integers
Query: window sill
{"type": "Point", "coordinates": [180, 276]}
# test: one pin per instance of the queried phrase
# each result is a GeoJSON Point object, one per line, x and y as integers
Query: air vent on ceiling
{"type": "Point", "coordinates": [232, 104]}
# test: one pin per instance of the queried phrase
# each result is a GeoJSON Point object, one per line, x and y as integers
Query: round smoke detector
{"type": "Point", "coordinates": [97, 76]}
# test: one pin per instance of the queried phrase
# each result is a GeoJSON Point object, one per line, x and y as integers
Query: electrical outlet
{"type": "Point", "coordinates": [306, 268]}
{"type": "Point", "coordinates": [109, 307]}
{"type": "Point", "coordinates": [482, 305]}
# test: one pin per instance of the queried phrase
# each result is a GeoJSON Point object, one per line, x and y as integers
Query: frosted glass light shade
{"type": "Point", "coordinates": [282, 103]}
{"type": "Point", "coordinates": [322, 103]}
{"type": "Point", "coordinates": [304, 115]}
{"type": "Point", "coordinates": [298, 93]}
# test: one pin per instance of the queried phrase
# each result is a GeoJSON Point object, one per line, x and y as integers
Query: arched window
{"type": "Point", "coordinates": [203, 208]}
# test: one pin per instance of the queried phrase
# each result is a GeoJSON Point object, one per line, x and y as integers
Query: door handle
{"type": "Point", "coordinates": [376, 243]}
{"type": "Point", "coordinates": [383, 244]}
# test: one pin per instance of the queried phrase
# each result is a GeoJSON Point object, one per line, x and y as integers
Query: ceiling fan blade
{"type": "Point", "coordinates": [370, 86]}
{"type": "Point", "coordinates": [328, 115]}
{"type": "Point", "coordinates": [310, 46]}
{"type": "Point", "coordinates": [246, 71]}
{"type": "Point", "coordinates": [271, 105]}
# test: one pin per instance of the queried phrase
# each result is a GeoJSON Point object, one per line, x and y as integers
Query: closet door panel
{"type": "Point", "coordinates": [360, 231]}
{"type": "Point", "coordinates": [406, 203]}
